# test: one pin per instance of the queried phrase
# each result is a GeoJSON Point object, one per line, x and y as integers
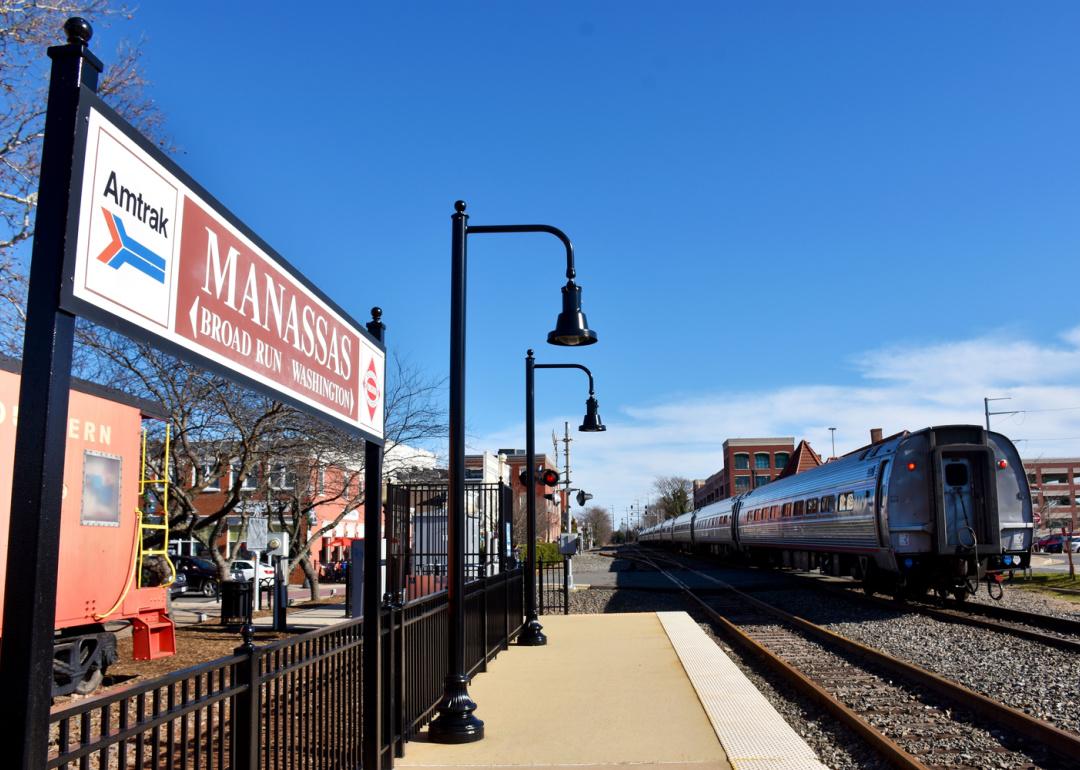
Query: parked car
{"type": "Point", "coordinates": [1074, 543]}
{"type": "Point", "coordinates": [201, 574]}
{"type": "Point", "coordinates": [1055, 543]}
{"type": "Point", "coordinates": [179, 586]}
{"type": "Point", "coordinates": [245, 570]}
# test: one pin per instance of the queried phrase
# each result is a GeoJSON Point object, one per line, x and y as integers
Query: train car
{"type": "Point", "coordinates": [714, 527]}
{"type": "Point", "coordinates": [940, 509]}
{"type": "Point", "coordinates": [100, 529]}
{"type": "Point", "coordinates": [681, 527]}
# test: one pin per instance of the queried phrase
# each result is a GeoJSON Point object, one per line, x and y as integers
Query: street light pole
{"type": "Point", "coordinates": [832, 432]}
{"type": "Point", "coordinates": [455, 722]}
{"type": "Point", "coordinates": [533, 633]}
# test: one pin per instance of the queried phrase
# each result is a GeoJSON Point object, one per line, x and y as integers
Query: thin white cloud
{"type": "Point", "coordinates": [899, 388]}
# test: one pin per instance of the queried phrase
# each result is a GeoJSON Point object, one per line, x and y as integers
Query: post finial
{"type": "Point", "coordinates": [530, 353]}
{"type": "Point", "coordinates": [459, 207]}
{"type": "Point", "coordinates": [78, 30]}
{"type": "Point", "coordinates": [376, 314]}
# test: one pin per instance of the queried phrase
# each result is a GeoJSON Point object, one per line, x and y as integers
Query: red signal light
{"type": "Point", "coordinates": [1003, 464]}
{"type": "Point", "coordinates": [549, 477]}
{"type": "Point", "coordinates": [911, 466]}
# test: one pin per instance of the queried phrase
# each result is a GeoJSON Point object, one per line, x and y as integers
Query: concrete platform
{"type": "Point", "coordinates": [609, 691]}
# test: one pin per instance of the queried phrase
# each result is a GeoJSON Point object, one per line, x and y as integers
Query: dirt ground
{"type": "Point", "coordinates": [195, 644]}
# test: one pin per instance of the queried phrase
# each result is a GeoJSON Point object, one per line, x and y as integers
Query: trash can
{"type": "Point", "coordinates": [236, 601]}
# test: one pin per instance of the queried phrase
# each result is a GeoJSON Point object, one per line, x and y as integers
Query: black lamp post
{"type": "Point", "coordinates": [533, 633]}
{"type": "Point", "coordinates": [455, 722]}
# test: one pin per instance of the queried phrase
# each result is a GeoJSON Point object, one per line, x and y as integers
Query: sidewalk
{"type": "Point", "coordinates": [606, 691]}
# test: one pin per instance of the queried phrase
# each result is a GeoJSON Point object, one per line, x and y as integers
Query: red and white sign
{"type": "Point", "coordinates": [153, 253]}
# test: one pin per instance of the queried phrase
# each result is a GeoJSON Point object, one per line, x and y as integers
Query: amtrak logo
{"type": "Point", "coordinates": [124, 250]}
{"type": "Point", "coordinates": [371, 389]}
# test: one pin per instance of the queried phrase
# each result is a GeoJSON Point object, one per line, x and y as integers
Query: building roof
{"type": "Point", "coordinates": [802, 459]}
{"type": "Point", "coordinates": [781, 441]}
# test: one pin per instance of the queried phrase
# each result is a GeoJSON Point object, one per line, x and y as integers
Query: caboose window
{"type": "Point", "coordinates": [101, 490]}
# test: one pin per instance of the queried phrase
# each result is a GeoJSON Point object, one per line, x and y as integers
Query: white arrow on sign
{"type": "Point", "coordinates": [193, 314]}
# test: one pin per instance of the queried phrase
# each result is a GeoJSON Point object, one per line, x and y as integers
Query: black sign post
{"type": "Point", "coordinates": [371, 589]}
{"type": "Point", "coordinates": [56, 296]}
{"type": "Point", "coordinates": [26, 656]}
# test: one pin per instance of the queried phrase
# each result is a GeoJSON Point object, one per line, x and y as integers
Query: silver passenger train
{"type": "Point", "coordinates": [936, 509]}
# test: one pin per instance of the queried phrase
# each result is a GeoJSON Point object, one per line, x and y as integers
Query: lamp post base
{"type": "Point", "coordinates": [455, 722]}
{"type": "Point", "coordinates": [532, 635]}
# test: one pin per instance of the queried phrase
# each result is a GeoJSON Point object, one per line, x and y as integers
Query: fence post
{"type": "Point", "coordinates": [540, 583]}
{"type": "Point", "coordinates": [565, 585]}
{"type": "Point", "coordinates": [484, 624]}
{"type": "Point", "coordinates": [245, 716]}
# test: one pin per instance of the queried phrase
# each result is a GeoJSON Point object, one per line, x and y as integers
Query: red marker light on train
{"type": "Point", "coordinates": [1003, 464]}
{"type": "Point", "coordinates": [911, 466]}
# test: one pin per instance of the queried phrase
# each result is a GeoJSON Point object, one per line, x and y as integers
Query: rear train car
{"type": "Point", "coordinates": [937, 509]}
{"type": "Point", "coordinates": [97, 583]}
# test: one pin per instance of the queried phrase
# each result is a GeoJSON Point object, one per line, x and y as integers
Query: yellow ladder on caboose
{"type": "Point", "coordinates": [144, 528]}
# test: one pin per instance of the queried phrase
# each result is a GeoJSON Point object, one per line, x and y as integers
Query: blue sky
{"type": "Point", "coordinates": [781, 210]}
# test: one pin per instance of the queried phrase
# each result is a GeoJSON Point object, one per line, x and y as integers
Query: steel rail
{"type": "Point", "coordinates": [891, 751]}
{"type": "Point", "coordinates": [1062, 742]}
{"type": "Point", "coordinates": [961, 616]}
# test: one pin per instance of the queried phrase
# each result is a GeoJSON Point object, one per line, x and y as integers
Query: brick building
{"type": "Point", "coordinates": [1055, 483]}
{"type": "Point", "coordinates": [748, 464]}
{"type": "Point", "coordinates": [547, 511]}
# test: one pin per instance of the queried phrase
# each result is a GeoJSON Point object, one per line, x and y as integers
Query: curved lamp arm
{"type": "Point", "coordinates": [569, 366]}
{"type": "Point", "coordinates": [570, 273]}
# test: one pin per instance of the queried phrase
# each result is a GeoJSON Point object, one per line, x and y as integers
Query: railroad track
{"type": "Point", "coordinates": [1060, 633]}
{"type": "Point", "coordinates": [911, 716]}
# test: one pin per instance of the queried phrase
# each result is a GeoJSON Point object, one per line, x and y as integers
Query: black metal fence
{"type": "Point", "coordinates": [416, 526]}
{"type": "Point", "coordinates": [298, 702]}
{"type": "Point", "coordinates": [293, 703]}
{"type": "Point", "coordinates": [553, 586]}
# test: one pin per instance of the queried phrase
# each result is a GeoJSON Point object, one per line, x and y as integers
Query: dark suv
{"type": "Point", "coordinates": [201, 574]}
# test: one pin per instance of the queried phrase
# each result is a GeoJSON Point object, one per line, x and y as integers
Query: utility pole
{"type": "Point", "coordinates": [832, 432]}
{"type": "Point", "coordinates": [988, 413]}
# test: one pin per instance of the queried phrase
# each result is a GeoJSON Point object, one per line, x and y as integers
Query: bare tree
{"type": "Point", "coordinates": [598, 521]}
{"type": "Point", "coordinates": [280, 462]}
{"type": "Point", "coordinates": [27, 28]}
{"type": "Point", "coordinates": [676, 495]}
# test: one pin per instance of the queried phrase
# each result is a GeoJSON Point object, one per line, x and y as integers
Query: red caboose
{"type": "Point", "coordinates": [99, 536]}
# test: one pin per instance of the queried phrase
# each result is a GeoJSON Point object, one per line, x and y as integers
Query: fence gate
{"type": "Point", "coordinates": [553, 586]}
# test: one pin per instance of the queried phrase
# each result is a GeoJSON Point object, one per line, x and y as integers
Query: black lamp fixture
{"type": "Point", "coordinates": [592, 422]}
{"type": "Point", "coordinates": [455, 721]}
{"type": "Point", "coordinates": [571, 328]}
{"type": "Point", "coordinates": [532, 635]}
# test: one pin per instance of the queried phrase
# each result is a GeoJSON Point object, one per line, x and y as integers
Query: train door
{"type": "Point", "coordinates": [960, 513]}
{"type": "Point", "coordinates": [881, 501]}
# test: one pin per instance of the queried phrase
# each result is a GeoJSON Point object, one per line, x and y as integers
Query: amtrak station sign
{"type": "Point", "coordinates": [155, 256]}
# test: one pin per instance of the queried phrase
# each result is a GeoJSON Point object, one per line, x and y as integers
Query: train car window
{"type": "Point", "coordinates": [798, 508]}
{"type": "Point", "coordinates": [847, 502]}
{"type": "Point", "coordinates": [785, 510]}
{"type": "Point", "coordinates": [811, 505]}
{"type": "Point", "coordinates": [101, 490]}
{"type": "Point", "coordinates": [956, 475]}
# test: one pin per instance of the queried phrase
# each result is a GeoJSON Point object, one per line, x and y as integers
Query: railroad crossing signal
{"type": "Point", "coordinates": [547, 477]}
{"type": "Point", "coordinates": [583, 497]}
